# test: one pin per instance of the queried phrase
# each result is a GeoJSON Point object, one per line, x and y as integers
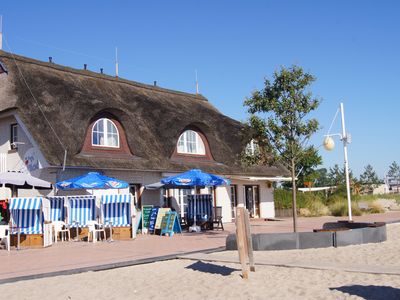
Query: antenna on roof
{"type": "Point", "coordinates": [197, 83]}
{"type": "Point", "coordinates": [1, 32]}
{"type": "Point", "coordinates": [116, 62]}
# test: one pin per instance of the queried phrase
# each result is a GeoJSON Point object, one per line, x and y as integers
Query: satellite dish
{"type": "Point", "coordinates": [329, 144]}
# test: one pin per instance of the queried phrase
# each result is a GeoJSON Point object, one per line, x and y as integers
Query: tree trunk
{"type": "Point", "coordinates": [294, 205]}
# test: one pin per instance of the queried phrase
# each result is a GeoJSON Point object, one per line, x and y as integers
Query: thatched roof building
{"type": "Point", "coordinates": [152, 118]}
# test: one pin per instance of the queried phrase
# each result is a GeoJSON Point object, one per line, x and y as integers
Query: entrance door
{"type": "Point", "coordinates": [251, 195]}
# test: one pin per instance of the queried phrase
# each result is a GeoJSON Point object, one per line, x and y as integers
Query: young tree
{"type": "Point", "coordinates": [394, 170]}
{"type": "Point", "coordinates": [337, 176]}
{"type": "Point", "coordinates": [369, 178]}
{"type": "Point", "coordinates": [279, 119]}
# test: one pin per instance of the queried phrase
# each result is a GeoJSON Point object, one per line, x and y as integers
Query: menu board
{"type": "Point", "coordinates": [170, 224]}
{"type": "Point", "coordinates": [171, 221]}
{"type": "Point", "coordinates": [160, 215]}
{"type": "Point", "coordinates": [153, 218]}
{"type": "Point", "coordinates": [146, 211]}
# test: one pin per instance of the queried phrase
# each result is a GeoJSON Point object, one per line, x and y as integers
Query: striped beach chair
{"type": "Point", "coordinates": [82, 209]}
{"type": "Point", "coordinates": [27, 214]}
{"type": "Point", "coordinates": [116, 209]}
{"type": "Point", "coordinates": [58, 210]}
{"type": "Point", "coordinates": [204, 210]}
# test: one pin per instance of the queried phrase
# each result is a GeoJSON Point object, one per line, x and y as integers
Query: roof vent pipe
{"type": "Point", "coordinates": [50, 59]}
{"type": "Point", "coordinates": [101, 70]}
{"type": "Point", "coordinates": [85, 66]}
{"type": "Point", "coordinates": [155, 83]}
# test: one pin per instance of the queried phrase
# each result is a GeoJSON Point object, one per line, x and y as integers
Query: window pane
{"type": "Point", "coordinates": [112, 140]}
{"type": "Point", "coordinates": [100, 137]}
{"type": "Point", "coordinates": [200, 145]}
{"type": "Point", "coordinates": [95, 141]}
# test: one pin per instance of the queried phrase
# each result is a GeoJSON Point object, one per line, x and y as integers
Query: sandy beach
{"type": "Point", "coordinates": [322, 275]}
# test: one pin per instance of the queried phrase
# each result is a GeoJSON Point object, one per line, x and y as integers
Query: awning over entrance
{"type": "Point", "coordinates": [154, 186]}
{"type": "Point", "coordinates": [257, 178]}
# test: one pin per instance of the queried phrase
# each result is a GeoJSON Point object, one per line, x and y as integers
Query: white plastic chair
{"type": "Point", "coordinates": [5, 235]}
{"type": "Point", "coordinates": [61, 228]}
{"type": "Point", "coordinates": [94, 229]}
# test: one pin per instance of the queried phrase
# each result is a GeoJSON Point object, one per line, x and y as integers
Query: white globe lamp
{"type": "Point", "coordinates": [329, 143]}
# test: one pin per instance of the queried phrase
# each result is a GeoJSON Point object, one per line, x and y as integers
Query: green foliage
{"type": "Point", "coordinates": [339, 208]}
{"type": "Point", "coordinates": [279, 111]}
{"type": "Point", "coordinates": [321, 177]}
{"type": "Point", "coordinates": [369, 176]}
{"type": "Point", "coordinates": [283, 199]}
{"type": "Point", "coordinates": [337, 176]}
{"type": "Point", "coordinates": [305, 168]}
{"type": "Point", "coordinates": [394, 170]}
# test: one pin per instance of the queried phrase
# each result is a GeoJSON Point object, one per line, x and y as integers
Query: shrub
{"type": "Point", "coordinates": [317, 208]}
{"type": "Point", "coordinates": [375, 208]}
{"type": "Point", "coordinates": [339, 208]}
{"type": "Point", "coordinates": [304, 212]}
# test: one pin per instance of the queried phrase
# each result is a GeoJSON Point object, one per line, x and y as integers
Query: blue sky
{"type": "Point", "coordinates": [352, 47]}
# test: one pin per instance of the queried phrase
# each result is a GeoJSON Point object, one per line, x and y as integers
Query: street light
{"type": "Point", "coordinates": [329, 144]}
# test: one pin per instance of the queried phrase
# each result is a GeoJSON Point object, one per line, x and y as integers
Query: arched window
{"type": "Point", "coordinates": [105, 133]}
{"type": "Point", "coordinates": [190, 142]}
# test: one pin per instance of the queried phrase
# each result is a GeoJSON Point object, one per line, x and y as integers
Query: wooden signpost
{"type": "Point", "coordinates": [146, 211]}
{"type": "Point", "coordinates": [244, 241]}
{"type": "Point", "coordinates": [170, 224]}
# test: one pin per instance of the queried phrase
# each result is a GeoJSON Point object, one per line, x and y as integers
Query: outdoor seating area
{"type": "Point", "coordinates": [42, 221]}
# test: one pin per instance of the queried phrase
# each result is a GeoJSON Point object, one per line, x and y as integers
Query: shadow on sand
{"type": "Point", "coordinates": [211, 268]}
{"type": "Point", "coordinates": [370, 292]}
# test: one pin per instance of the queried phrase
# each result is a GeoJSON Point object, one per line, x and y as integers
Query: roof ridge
{"type": "Point", "coordinates": [97, 75]}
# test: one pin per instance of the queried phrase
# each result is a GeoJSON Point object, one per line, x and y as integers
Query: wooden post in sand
{"type": "Point", "coordinates": [244, 241]}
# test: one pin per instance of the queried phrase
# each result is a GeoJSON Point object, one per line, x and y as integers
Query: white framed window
{"type": "Point", "coordinates": [190, 142]}
{"type": "Point", "coordinates": [105, 134]}
{"type": "Point", "coordinates": [252, 148]}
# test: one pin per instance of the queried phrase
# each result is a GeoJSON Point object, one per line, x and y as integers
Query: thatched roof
{"type": "Point", "coordinates": [152, 117]}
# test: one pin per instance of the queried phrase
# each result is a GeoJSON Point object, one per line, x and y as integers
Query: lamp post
{"type": "Point", "coordinates": [329, 144]}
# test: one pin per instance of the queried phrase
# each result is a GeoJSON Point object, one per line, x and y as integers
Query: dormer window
{"type": "Point", "coordinates": [105, 134]}
{"type": "Point", "coordinates": [252, 148]}
{"type": "Point", "coordinates": [190, 142]}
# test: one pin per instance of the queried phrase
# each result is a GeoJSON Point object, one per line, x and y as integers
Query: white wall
{"type": "Point", "coordinates": [267, 207]}
{"type": "Point", "coordinates": [223, 198]}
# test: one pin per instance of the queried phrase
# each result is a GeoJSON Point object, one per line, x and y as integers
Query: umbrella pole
{"type": "Point", "coordinates": [195, 198]}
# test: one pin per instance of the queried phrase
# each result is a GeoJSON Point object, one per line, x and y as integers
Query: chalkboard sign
{"type": "Point", "coordinates": [170, 224]}
{"type": "Point", "coordinates": [153, 218]}
{"type": "Point", "coordinates": [160, 216]}
{"type": "Point", "coordinates": [146, 211]}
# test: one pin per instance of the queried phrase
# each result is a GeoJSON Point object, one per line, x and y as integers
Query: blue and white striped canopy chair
{"type": "Point", "coordinates": [58, 208]}
{"type": "Point", "coordinates": [204, 210]}
{"type": "Point", "coordinates": [26, 215]}
{"type": "Point", "coordinates": [81, 210]}
{"type": "Point", "coordinates": [58, 214]}
{"type": "Point", "coordinates": [116, 210]}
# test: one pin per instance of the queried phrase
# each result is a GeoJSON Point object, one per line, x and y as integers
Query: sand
{"type": "Point", "coordinates": [193, 279]}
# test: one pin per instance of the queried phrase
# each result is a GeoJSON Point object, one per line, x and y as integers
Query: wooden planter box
{"type": "Point", "coordinates": [27, 240]}
{"type": "Point", "coordinates": [120, 233]}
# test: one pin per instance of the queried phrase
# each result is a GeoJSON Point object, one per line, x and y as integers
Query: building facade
{"type": "Point", "coordinates": [57, 122]}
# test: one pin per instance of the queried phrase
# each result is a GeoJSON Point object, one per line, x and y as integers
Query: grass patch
{"type": "Point", "coordinates": [375, 208]}
{"type": "Point", "coordinates": [339, 208]}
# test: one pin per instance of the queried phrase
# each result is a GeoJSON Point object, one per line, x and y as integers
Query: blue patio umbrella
{"type": "Point", "coordinates": [194, 178]}
{"type": "Point", "coordinates": [92, 180]}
